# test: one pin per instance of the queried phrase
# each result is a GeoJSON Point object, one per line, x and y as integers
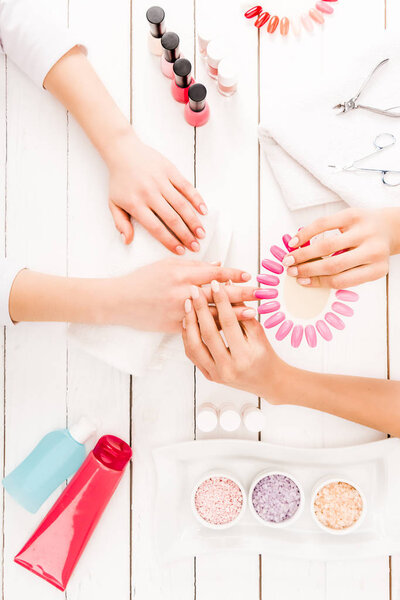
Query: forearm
{"type": "Point", "coordinates": [39, 297]}
{"type": "Point", "coordinates": [392, 218]}
{"type": "Point", "coordinates": [371, 402]}
{"type": "Point", "coordinates": [74, 82]}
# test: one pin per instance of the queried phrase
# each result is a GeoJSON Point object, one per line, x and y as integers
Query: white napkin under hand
{"type": "Point", "coordinates": [125, 348]}
{"type": "Point", "coordinates": [302, 134]}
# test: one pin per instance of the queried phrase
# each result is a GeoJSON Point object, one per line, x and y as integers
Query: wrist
{"type": "Point", "coordinates": [391, 217]}
{"type": "Point", "coordinates": [278, 382]}
{"type": "Point", "coordinates": [116, 143]}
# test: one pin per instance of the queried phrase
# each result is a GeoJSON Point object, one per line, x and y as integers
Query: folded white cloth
{"type": "Point", "coordinates": [127, 349]}
{"type": "Point", "coordinates": [302, 134]}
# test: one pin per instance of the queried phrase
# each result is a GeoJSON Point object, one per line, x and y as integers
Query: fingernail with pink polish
{"type": "Point", "coordinates": [203, 209]}
{"type": "Point", "coordinates": [304, 280]}
{"type": "Point", "coordinates": [288, 260]}
{"type": "Point", "coordinates": [294, 242]}
{"type": "Point", "coordinates": [200, 233]}
{"type": "Point", "coordinates": [195, 246]}
{"type": "Point", "coordinates": [246, 276]}
{"type": "Point", "coordinates": [188, 306]}
{"type": "Point", "coordinates": [292, 271]}
{"type": "Point", "coordinates": [180, 250]}
{"type": "Point", "coordinates": [249, 313]}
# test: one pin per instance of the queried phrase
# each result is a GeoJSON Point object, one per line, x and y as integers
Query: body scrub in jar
{"type": "Point", "coordinates": [338, 506]}
{"type": "Point", "coordinates": [276, 499]}
{"type": "Point", "coordinates": [218, 501]}
{"type": "Point", "coordinates": [227, 77]}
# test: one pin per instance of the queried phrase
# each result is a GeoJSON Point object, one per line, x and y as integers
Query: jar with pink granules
{"type": "Point", "coordinates": [338, 505]}
{"type": "Point", "coordinates": [218, 500]}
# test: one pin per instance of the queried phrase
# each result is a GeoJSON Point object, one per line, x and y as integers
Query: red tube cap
{"type": "Point", "coordinates": [113, 452]}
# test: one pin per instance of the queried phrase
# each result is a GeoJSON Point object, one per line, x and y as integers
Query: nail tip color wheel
{"type": "Point", "coordinates": [315, 15]}
{"type": "Point", "coordinates": [309, 328]}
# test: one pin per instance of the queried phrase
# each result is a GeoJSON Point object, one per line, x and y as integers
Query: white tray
{"type": "Point", "coordinates": [375, 467]}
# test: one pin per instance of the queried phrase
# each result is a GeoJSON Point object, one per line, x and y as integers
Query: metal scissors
{"type": "Point", "coordinates": [353, 104]}
{"type": "Point", "coordinates": [381, 142]}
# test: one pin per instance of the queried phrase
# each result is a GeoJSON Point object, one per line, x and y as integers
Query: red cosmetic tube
{"type": "Point", "coordinates": [54, 549]}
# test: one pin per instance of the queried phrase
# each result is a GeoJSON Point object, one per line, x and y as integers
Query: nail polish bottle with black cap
{"type": "Point", "coordinates": [197, 110]}
{"type": "Point", "coordinates": [171, 53]}
{"type": "Point", "coordinates": [156, 18]}
{"type": "Point", "coordinates": [182, 81]}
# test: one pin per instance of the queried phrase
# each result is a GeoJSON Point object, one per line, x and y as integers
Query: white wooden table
{"type": "Point", "coordinates": [54, 187]}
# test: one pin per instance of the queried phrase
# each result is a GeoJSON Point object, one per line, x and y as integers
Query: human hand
{"type": "Point", "coordinates": [153, 297]}
{"type": "Point", "coordinates": [144, 185]}
{"type": "Point", "coordinates": [248, 363]}
{"type": "Point", "coordinates": [358, 254]}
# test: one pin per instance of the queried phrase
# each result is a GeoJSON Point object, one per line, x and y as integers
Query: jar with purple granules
{"type": "Point", "coordinates": [276, 498]}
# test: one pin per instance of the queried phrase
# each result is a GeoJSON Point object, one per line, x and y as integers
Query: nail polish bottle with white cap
{"type": "Point", "coordinates": [227, 77]}
{"type": "Point", "coordinates": [156, 18]}
{"type": "Point", "coordinates": [215, 53]}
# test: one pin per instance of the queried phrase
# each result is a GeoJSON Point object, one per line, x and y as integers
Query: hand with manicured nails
{"type": "Point", "coordinates": [359, 253]}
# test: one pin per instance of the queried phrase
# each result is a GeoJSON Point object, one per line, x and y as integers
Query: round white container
{"type": "Point", "coordinates": [199, 518]}
{"type": "Point", "coordinates": [322, 483]}
{"type": "Point", "coordinates": [287, 522]}
{"type": "Point", "coordinates": [207, 417]}
{"type": "Point", "coordinates": [229, 418]}
{"type": "Point", "coordinates": [253, 418]}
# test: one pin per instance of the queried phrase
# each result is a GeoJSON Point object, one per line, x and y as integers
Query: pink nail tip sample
{"type": "Point", "coordinates": [324, 330]}
{"type": "Point", "coordinates": [274, 320]}
{"type": "Point", "coordinates": [272, 266]}
{"type": "Point", "coordinates": [307, 22]}
{"type": "Point", "coordinates": [286, 239]}
{"type": "Point", "coordinates": [283, 330]}
{"type": "Point", "coordinates": [334, 320]}
{"type": "Point", "coordinates": [297, 336]}
{"type": "Point", "coordinates": [343, 309]}
{"type": "Point", "coordinates": [269, 307]}
{"type": "Point", "coordinates": [278, 252]}
{"type": "Point", "coordinates": [316, 16]}
{"type": "Point", "coordinates": [268, 279]}
{"type": "Point", "coordinates": [324, 8]}
{"type": "Point", "coordinates": [311, 336]}
{"type": "Point", "coordinates": [347, 295]}
{"type": "Point", "coordinates": [267, 294]}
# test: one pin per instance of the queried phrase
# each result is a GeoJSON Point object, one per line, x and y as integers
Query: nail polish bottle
{"type": "Point", "coordinates": [215, 53]}
{"type": "Point", "coordinates": [203, 38]}
{"type": "Point", "coordinates": [197, 111]}
{"type": "Point", "coordinates": [227, 77]}
{"type": "Point", "coordinates": [183, 80]}
{"type": "Point", "coordinates": [171, 52]}
{"type": "Point", "coordinates": [156, 18]}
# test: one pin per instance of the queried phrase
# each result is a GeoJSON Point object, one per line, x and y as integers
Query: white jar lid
{"type": "Point", "coordinates": [82, 430]}
{"type": "Point", "coordinates": [205, 35]}
{"type": "Point", "coordinates": [207, 418]}
{"type": "Point", "coordinates": [229, 419]}
{"type": "Point", "coordinates": [254, 419]}
{"type": "Point", "coordinates": [227, 74]}
{"type": "Point", "coordinates": [215, 53]}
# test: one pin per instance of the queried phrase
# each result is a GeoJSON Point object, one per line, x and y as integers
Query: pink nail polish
{"type": "Point", "coordinates": [307, 23]}
{"type": "Point", "coordinates": [180, 250]}
{"type": "Point", "coordinates": [278, 253]}
{"type": "Point", "coordinates": [297, 336]}
{"type": "Point", "coordinates": [268, 279]}
{"type": "Point", "coordinates": [324, 330]}
{"type": "Point", "coordinates": [266, 294]}
{"type": "Point", "coordinates": [272, 266]}
{"type": "Point", "coordinates": [286, 239]}
{"type": "Point", "coordinates": [311, 336]}
{"type": "Point", "coordinates": [274, 320]}
{"type": "Point", "coordinates": [324, 8]}
{"type": "Point", "coordinates": [215, 53]}
{"type": "Point", "coordinates": [171, 53]}
{"type": "Point", "coordinates": [343, 309]}
{"type": "Point", "coordinates": [227, 77]}
{"type": "Point", "coordinates": [334, 320]}
{"type": "Point", "coordinates": [183, 79]}
{"type": "Point", "coordinates": [269, 307]}
{"type": "Point", "coordinates": [347, 295]}
{"type": "Point", "coordinates": [283, 330]}
{"type": "Point", "coordinates": [197, 110]}
{"type": "Point", "coordinates": [200, 233]}
{"type": "Point", "coordinates": [156, 18]}
{"type": "Point", "coordinates": [317, 16]}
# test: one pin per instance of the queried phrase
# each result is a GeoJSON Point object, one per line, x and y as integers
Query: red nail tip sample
{"type": "Point", "coordinates": [334, 320]}
{"type": "Point", "coordinates": [324, 330]}
{"type": "Point", "coordinates": [272, 266]}
{"type": "Point", "coordinates": [262, 19]}
{"type": "Point", "coordinates": [297, 336]}
{"type": "Point", "coordinates": [273, 24]}
{"type": "Point", "coordinates": [278, 253]}
{"type": "Point", "coordinates": [268, 279]}
{"type": "Point", "coordinates": [343, 309]}
{"type": "Point", "coordinates": [311, 336]}
{"type": "Point", "coordinates": [274, 320]}
{"type": "Point", "coordinates": [253, 12]}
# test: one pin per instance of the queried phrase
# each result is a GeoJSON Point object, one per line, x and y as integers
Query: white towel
{"type": "Point", "coordinates": [302, 134]}
{"type": "Point", "coordinates": [127, 349]}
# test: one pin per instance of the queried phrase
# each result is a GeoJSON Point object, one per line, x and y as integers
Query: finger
{"type": "Point", "coordinates": [319, 248]}
{"type": "Point", "coordinates": [195, 348]}
{"type": "Point", "coordinates": [185, 210]}
{"type": "Point", "coordinates": [242, 313]}
{"type": "Point", "coordinates": [186, 188]}
{"type": "Point", "coordinates": [351, 277]}
{"type": "Point", "coordinates": [329, 266]}
{"type": "Point", "coordinates": [208, 329]}
{"type": "Point", "coordinates": [173, 221]}
{"type": "Point", "coordinates": [158, 230]}
{"type": "Point", "coordinates": [122, 222]}
{"type": "Point", "coordinates": [235, 293]}
{"type": "Point", "coordinates": [339, 220]}
{"type": "Point", "coordinates": [227, 318]}
{"type": "Point", "coordinates": [206, 273]}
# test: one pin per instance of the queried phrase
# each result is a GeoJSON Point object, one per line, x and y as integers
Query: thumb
{"type": "Point", "coordinates": [122, 222]}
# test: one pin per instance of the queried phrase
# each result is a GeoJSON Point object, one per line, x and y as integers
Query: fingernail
{"type": "Point", "coordinates": [215, 286]}
{"type": "Point", "coordinates": [294, 242]}
{"type": "Point", "coordinates": [188, 306]}
{"type": "Point", "coordinates": [123, 238]}
{"type": "Point", "coordinates": [215, 262]}
{"type": "Point", "coordinates": [292, 271]}
{"type": "Point", "coordinates": [203, 209]}
{"type": "Point", "coordinates": [304, 280]}
{"type": "Point", "coordinates": [246, 276]}
{"type": "Point", "coordinates": [288, 260]}
{"type": "Point", "coordinates": [249, 313]}
{"type": "Point", "coordinates": [180, 250]}
{"type": "Point", "coordinates": [200, 233]}
{"type": "Point", "coordinates": [184, 323]}
{"type": "Point", "coordinates": [195, 292]}
{"type": "Point", "coordinates": [195, 246]}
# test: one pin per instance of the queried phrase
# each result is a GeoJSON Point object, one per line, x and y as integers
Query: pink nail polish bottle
{"type": "Point", "coordinates": [197, 110]}
{"type": "Point", "coordinates": [215, 53]}
{"type": "Point", "coordinates": [183, 80]}
{"type": "Point", "coordinates": [227, 77]}
{"type": "Point", "coordinates": [171, 53]}
{"type": "Point", "coordinates": [156, 18]}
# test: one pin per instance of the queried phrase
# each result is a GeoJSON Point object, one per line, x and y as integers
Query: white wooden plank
{"type": "Point", "coordinates": [94, 388]}
{"type": "Point", "coordinates": [3, 149]}
{"type": "Point", "coordinates": [227, 176]}
{"type": "Point", "coordinates": [292, 58]}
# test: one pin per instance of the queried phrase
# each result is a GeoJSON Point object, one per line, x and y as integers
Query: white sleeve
{"type": "Point", "coordinates": [8, 272]}
{"type": "Point", "coordinates": [33, 36]}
